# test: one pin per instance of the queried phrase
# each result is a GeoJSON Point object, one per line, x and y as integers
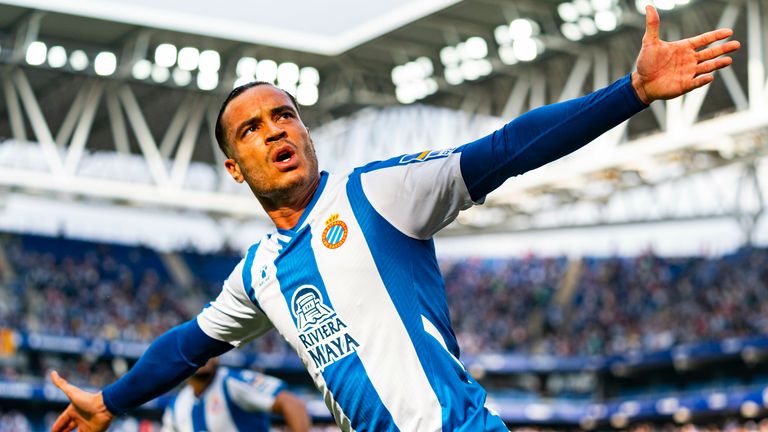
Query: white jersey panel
{"type": "Point", "coordinates": [233, 317]}
{"type": "Point", "coordinates": [392, 364]}
{"type": "Point", "coordinates": [429, 195]}
{"type": "Point", "coordinates": [257, 393]}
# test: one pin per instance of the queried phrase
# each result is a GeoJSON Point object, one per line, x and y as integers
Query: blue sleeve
{"type": "Point", "coordinates": [544, 135]}
{"type": "Point", "coordinates": [170, 359]}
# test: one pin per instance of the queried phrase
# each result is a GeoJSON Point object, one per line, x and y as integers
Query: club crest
{"type": "Point", "coordinates": [335, 232]}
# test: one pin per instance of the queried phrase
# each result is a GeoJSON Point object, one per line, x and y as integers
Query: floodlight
{"type": "Point", "coordinates": [36, 52]}
{"type": "Point", "coordinates": [181, 77]}
{"type": "Point", "coordinates": [209, 62]}
{"type": "Point", "coordinates": [105, 63]}
{"type": "Point", "coordinates": [189, 58]}
{"type": "Point", "coordinates": [587, 26]}
{"type": "Point", "coordinates": [606, 20]}
{"type": "Point", "coordinates": [449, 56]}
{"type": "Point", "coordinates": [453, 75]}
{"type": "Point", "coordinates": [160, 74]}
{"type": "Point", "coordinates": [507, 55]}
{"type": "Point", "coordinates": [571, 31]}
{"type": "Point", "coordinates": [476, 48]}
{"type": "Point", "coordinates": [568, 12]}
{"type": "Point", "coordinates": [243, 79]}
{"type": "Point", "coordinates": [521, 28]}
{"type": "Point", "coordinates": [306, 94]}
{"type": "Point", "coordinates": [502, 36]}
{"type": "Point", "coordinates": [78, 60]}
{"type": "Point", "coordinates": [246, 66]}
{"type": "Point", "coordinates": [525, 49]}
{"type": "Point", "coordinates": [266, 70]}
{"type": "Point", "coordinates": [142, 69]}
{"type": "Point", "coordinates": [425, 64]}
{"type": "Point", "coordinates": [57, 56]}
{"type": "Point", "coordinates": [309, 75]}
{"type": "Point", "coordinates": [207, 80]}
{"type": "Point", "coordinates": [165, 55]}
{"type": "Point", "coordinates": [288, 73]}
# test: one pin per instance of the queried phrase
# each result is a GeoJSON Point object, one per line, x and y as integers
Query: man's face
{"type": "Point", "coordinates": [272, 149]}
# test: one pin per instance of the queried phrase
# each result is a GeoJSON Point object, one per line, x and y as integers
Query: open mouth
{"type": "Point", "coordinates": [284, 157]}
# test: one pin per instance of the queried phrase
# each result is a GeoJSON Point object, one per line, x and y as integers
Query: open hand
{"type": "Point", "coordinates": [86, 412]}
{"type": "Point", "coordinates": [666, 70]}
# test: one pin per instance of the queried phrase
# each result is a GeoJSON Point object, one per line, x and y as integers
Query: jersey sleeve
{"type": "Point", "coordinates": [418, 194]}
{"type": "Point", "coordinates": [168, 425]}
{"type": "Point", "coordinates": [233, 317]}
{"type": "Point", "coordinates": [253, 391]}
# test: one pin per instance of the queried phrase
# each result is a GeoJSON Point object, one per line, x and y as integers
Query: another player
{"type": "Point", "coordinates": [349, 277]}
{"type": "Point", "coordinates": [223, 400]}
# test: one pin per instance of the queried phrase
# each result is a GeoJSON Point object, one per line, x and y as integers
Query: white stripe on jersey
{"type": "Point", "coordinates": [394, 347]}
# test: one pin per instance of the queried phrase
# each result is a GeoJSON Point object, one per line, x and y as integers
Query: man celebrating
{"type": "Point", "coordinates": [223, 400]}
{"type": "Point", "coordinates": [349, 277]}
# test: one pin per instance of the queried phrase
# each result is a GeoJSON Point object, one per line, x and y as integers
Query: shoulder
{"type": "Point", "coordinates": [408, 159]}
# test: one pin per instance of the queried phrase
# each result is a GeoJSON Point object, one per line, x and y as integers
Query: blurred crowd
{"type": "Point", "coordinates": [528, 305]}
{"type": "Point", "coordinates": [649, 303]}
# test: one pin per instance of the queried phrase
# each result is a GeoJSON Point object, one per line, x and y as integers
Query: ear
{"type": "Point", "coordinates": [233, 168]}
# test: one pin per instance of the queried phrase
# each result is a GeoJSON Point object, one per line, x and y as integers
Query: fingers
{"type": "Point", "coordinates": [651, 24]}
{"type": "Point", "coordinates": [707, 38]}
{"type": "Point", "coordinates": [64, 423]}
{"type": "Point", "coordinates": [62, 384]}
{"type": "Point", "coordinates": [717, 50]}
{"type": "Point", "coordinates": [702, 80]}
{"type": "Point", "coordinates": [713, 65]}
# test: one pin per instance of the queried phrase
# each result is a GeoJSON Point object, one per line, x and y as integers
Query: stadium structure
{"type": "Point", "coordinates": [107, 155]}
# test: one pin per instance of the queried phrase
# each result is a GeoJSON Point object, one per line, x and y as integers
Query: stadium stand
{"type": "Point", "coordinates": [567, 343]}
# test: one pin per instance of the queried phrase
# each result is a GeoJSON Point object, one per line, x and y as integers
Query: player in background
{"type": "Point", "coordinates": [223, 400]}
{"type": "Point", "coordinates": [349, 277]}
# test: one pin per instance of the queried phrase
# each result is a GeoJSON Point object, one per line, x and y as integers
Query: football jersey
{"type": "Point", "coordinates": [234, 401]}
{"type": "Point", "coordinates": [355, 288]}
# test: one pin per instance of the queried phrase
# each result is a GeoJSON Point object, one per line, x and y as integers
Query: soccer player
{"type": "Point", "coordinates": [349, 277]}
{"type": "Point", "coordinates": [223, 400]}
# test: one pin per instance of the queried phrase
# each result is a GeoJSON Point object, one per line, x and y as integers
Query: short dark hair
{"type": "Point", "coordinates": [220, 136]}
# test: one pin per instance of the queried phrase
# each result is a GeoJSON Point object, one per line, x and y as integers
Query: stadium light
{"type": "Point", "coordinates": [288, 73]}
{"type": "Point", "coordinates": [142, 69]}
{"type": "Point", "coordinates": [584, 18]}
{"type": "Point", "coordinates": [78, 60]}
{"type": "Point", "coordinates": [36, 52]}
{"type": "Point", "coordinates": [518, 41]}
{"type": "Point", "coordinates": [160, 74]}
{"type": "Point", "coordinates": [181, 77]}
{"type": "Point", "coordinates": [414, 80]}
{"type": "Point", "coordinates": [209, 62]}
{"type": "Point", "coordinates": [306, 94]}
{"type": "Point", "coordinates": [309, 75]}
{"type": "Point", "coordinates": [57, 56]}
{"type": "Point", "coordinates": [105, 63]}
{"type": "Point", "coordinates": [465, 61]}
{"type": "Point", "coordinates": [302, 82]}
{"type": "Point", "coordinates": [665, 5]}
{"type": "Point", "coordinates": [165, 55]}
{"type": "Point", "coordinates": [188, 59]}
{"type": "Point", "coordinates": [266, 70]}
{"type": "Point", "coordinates": [246, 66]}
{"type": "Point", "coordinates": [207, 80]}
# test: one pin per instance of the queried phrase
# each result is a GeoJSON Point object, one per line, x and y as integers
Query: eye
{"type": "Point", "coordinates": [248, 130]}
{"type": "Point", "coordinates": [286, 114]}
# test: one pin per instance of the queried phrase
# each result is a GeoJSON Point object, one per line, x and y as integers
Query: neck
{"type": "Point", "coordinates": [199, 384]}
{"type": "Point", "coordinates": [285, 213]}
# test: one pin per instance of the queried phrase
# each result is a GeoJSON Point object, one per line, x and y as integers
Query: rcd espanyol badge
{"type": "Point", "coordinates": [335, 232]}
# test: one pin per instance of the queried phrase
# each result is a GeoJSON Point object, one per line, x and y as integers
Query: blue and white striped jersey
{"type": "Point", "coordinates": [234, 401]}
{"type": "Point", "coordinates": [356, 289]}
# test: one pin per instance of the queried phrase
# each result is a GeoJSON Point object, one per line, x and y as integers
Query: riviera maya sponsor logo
{"type": "Point", "coordinates": [426, 155]}
{"type": "Point", "coordinates": [335, 232]}
{"type": "Point", "coordinates": [322, 333]}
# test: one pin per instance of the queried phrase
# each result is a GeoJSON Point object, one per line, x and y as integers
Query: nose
{"type": "Point", "coordinates": [275, 132]}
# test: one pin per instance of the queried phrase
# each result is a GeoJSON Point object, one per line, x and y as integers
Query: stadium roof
{"type": "Point", "coordinates": [164, 123]}
{"type": "Point", "coordinates": [326, 27]}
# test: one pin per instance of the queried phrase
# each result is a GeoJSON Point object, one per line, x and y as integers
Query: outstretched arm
{"type": "Point", "coordinates": [173, 357]}
{"type": "Point", "coordinates": [665, 70]}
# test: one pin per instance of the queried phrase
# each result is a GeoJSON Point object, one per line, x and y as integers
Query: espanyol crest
{"type": "Point", "coordinates": [335, 232]}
